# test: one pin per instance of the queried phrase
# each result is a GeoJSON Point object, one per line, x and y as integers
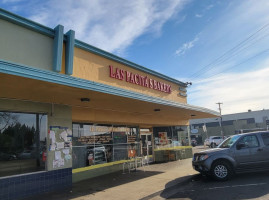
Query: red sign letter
{"type": "Point", "coordinates": [111, 71]}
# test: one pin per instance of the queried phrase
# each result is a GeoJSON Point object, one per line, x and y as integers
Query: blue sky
{"type": "Point", "coordinates": [222, 47]}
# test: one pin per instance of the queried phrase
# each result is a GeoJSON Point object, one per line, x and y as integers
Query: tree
{"type": "Point", "coordinates": [6, 119]}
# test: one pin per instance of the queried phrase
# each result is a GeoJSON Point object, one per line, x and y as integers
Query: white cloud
{"type": "Point", "coordinates": [198, 15]}
{"type": "Point", "coordinates": [204, 11]}
{"type": "Point", "coordinates": [186, 46]}
{"type": "Point", "coordinates": [180, 19]}
{"type": "Point", "coordinates": [238, 91]}
{"type": "Point", "coordinates": [110, 25]}
{"type": "Point", "coordinates": [209, 7]}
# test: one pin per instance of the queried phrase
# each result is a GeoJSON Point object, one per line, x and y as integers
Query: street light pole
{"type": "Point", "coordinates": [221, 129]}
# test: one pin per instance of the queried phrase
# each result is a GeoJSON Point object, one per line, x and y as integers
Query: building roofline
{"type": "Point", "coordinates": [113, 57]}
{"type": "Point", "coordinates": [29, 24]}
{"type": "Point", "coordinates": [61, 79]}
{"type": "Point", "coordinates": [26, 23]}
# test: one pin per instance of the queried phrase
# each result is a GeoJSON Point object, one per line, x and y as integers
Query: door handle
{"type": "Point", "coordinates": [260, 149]}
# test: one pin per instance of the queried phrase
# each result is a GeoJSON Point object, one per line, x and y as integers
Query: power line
{"type": "Point", "coordinates": [231, 50]}
{"type": "Point", "coordinates": [229, 57]}
{"type": "Point", "coordinates": [233, 55]}
{"type": "Point", "coordinates": [245, 61]}
{"type": "Point", "coordinates": [198, 73]}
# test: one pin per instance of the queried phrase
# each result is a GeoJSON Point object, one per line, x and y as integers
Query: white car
{"type": "Point", "coordinates": [213, 141]}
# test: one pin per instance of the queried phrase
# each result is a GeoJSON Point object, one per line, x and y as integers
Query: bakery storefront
{"type": "Point", "coordinates": [70, 111]}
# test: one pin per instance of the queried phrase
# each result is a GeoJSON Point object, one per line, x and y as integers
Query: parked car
{"type": "Point", "coordinates": [7, 156]}
{"type": "Point", "coordinates": [237, 154]}
{"type": "Point", "coordinates": [213, 141]}
{"type": "Point", "coordinates": [27, 154]}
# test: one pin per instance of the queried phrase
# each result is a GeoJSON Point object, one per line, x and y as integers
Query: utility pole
{"type": "Point", "coordinates": [221, 129]}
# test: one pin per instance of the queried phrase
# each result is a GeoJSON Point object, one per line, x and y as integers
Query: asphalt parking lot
{"type": "Point", "coordinates": [241, 186]}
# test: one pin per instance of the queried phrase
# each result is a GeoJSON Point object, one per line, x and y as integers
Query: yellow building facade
{"type": "Point", "coordinates": [63, 103]}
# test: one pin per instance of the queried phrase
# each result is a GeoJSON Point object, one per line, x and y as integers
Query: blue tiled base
{"type": "Point", "coordinates": [27, 185]}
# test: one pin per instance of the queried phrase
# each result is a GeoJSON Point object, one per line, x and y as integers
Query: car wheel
{"type": "Point", "coordinates": [221, 170]}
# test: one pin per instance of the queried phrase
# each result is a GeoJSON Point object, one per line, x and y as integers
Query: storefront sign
{"type": "Point", "coordinates": [107, 129]}
{"type": "Point", "coordinates": [101, 139]}
{"type": "Point", "coordinates": [137, 79]}
{"type": "Point", "coordinates": [163, 138]}
{"type": "Point", "coordinates": [131, 138]}
{"type": "Point", "coordinates": [194, 131]}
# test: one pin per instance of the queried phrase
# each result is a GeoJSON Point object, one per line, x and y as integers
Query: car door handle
{"type": "Point", "coordinates": [260, 149]}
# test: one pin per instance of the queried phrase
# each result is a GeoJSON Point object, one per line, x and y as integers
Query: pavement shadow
{"type": "Point", "coordinates": [198, 187]}
{"type": "Point", "coordinates": [97, 184]}
{"type": "Point", "coordinates": [170, 187]}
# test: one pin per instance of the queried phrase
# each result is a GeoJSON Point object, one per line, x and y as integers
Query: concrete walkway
{"type": "Point", "coordinates": [149, 184]}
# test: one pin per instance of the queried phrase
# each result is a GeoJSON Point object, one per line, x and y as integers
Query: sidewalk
{"type": "Point", "coordinates": [137, 185]}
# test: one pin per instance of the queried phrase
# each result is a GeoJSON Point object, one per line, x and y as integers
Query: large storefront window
{"type": "Point", "coordinates": [170, 136]}
{"type": "Point", "coordinates": [22, 143]}
{"type": "Point", "coordinates": [96, 144]}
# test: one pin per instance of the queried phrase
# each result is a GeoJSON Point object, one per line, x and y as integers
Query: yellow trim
{"type": "Point", "coordinates": [102, 165]}
{"type": "Point", "coordinates": [97, 166]}
{"type": "Point", "coordinates": [172, 148]}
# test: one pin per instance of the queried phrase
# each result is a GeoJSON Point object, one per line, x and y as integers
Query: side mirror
{"type": "Point", "coordinates": [240, 146]}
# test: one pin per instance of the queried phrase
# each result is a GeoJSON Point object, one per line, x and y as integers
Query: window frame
{"type": "Point", "coordinates": [265, 133]}
{"type": "Point", "coordinates": [37, 122]}
{"type": "Point", "coordinates": [247, 147]}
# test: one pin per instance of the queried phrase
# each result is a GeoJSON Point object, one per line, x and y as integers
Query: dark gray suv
{"type": "Point", "coordinates": [240, 153]}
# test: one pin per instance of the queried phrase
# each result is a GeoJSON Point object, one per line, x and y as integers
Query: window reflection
{"type": "Point", "coordinates": [96, 144]}
{"type": "Point", "coordinates": [22, 142]}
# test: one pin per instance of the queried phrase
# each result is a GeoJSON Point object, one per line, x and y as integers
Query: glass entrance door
{"type": "Point", "coordinates": [146, 146]}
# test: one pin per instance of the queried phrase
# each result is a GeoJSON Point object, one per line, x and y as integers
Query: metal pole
{"type": "Point", "coordinates": [189, 135]}
{"type": "Point", "coordinates": [221, 128]}
{"type": "Point", "coordinates": [206, 130]}
{"type": "Point", "coordinates": [37, 140]}
{"type": "Point", "coordinates": [113, 146]}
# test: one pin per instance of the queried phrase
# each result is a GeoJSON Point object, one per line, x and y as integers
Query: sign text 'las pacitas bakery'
{"type": "Point", "coordinates": [137, 79]}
